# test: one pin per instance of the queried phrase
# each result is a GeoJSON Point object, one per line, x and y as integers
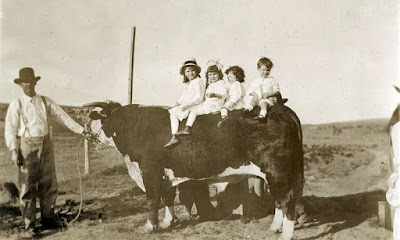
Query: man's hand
{"type": "Point", "coordinates": [89, 135]}
{"type": "Point", "coordinates": [15, 159]}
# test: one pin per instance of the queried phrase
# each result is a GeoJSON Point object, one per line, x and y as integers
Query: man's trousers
{"type": "Point", "coordinates": [37, 177]}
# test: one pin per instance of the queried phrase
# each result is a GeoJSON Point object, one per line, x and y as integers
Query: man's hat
{"type": "Point", "coordinates": [190, 63]}
{"type": "Point", "coordinates": [26, 75]}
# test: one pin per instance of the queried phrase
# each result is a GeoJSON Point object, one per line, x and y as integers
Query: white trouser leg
{"type": "Point", "coordinates": [276, 225]}
{"type": "Point", "coordinates": [191, 119]}
{"type": "Point", "coordinates": [174, 123]}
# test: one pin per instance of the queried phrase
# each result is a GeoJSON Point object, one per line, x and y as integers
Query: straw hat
{"type": "Point", "coordinates": [190, 63]}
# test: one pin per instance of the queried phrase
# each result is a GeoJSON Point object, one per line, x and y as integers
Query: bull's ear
{"type": "Point", "coordinates": [397, 89]}
{"type": "Point", "coordinates": [95, 115]}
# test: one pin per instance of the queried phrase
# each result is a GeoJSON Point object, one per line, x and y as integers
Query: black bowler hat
{"type": "Point", "coordinates": [26, 75]}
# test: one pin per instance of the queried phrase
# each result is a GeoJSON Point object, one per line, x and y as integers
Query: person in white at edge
{"type": "Point", "coordinates": [192, 95]}
{"type": "Point", "coordinates": [216, 93]}
{"type": "Point", "coordinates": [262, 91]}
{"type": "Point", "coordinates": [236, 92]}
{"type": "Point", "coordinates": [393, 193]}
{"type": "Point", "coordinates": [28, 139]}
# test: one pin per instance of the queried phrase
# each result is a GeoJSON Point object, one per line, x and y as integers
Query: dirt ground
{"type": "Point", "coordinates": [345, 171]}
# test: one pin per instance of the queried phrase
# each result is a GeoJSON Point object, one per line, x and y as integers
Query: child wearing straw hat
{"type": "Point", "coordinates": [192, 95]}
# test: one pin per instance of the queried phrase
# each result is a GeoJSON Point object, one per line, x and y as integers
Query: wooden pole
{"type": "Point", "coordinates": [86, 147]}
{"type": "Point", "coordinates": [130, 89]}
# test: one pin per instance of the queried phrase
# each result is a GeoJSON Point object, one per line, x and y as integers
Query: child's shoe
{"type": "Point", "coordinates": [173, 142]}
{"type": "Point", "coordinates": [222, 121]}
{"type": "Point", "coordinates": [186, 131]}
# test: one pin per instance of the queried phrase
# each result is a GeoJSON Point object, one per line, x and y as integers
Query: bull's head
{"type": "Point", "coordinates": [98, 116]}
{"type": "Point", "coordinates": [106, 108]}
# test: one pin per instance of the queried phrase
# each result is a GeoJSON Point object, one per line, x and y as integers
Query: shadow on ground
{"type": "Point", "coordinates": [339, 213]}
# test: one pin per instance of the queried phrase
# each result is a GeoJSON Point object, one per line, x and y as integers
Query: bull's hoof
{"type": "Point", "coordinates": [164, 224]}
{"type": "Point", "coordinates": [149, 227]}
{"type": "Point", "coordinates": [276, 228]}
{"type": "Point", "coordinates": [282, 237]}
{"type": "Point", "coordinates": [245, 219]}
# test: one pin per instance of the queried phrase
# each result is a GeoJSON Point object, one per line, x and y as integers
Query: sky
{"type": "Point", "coordinates": [334, 60]}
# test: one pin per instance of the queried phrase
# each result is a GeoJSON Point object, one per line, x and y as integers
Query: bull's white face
{"type": "Point", "coordinates": [95, 127]}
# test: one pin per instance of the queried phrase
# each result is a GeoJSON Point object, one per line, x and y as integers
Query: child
{"type": "Point", "coordinates": [236, 92]}
{"type": "Point", "coordinates": [192, 95]}
{"type": "Point", "coordinates": [216, 93]}
{"type": "Point", "coordinates": [263, 90]}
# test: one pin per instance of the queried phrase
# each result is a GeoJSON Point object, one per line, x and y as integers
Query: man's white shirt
{"type": "Point", "coordinates": [34, 110]}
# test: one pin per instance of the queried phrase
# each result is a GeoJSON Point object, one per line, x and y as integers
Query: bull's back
{"type": "Point", "coordinates": [143, 131]}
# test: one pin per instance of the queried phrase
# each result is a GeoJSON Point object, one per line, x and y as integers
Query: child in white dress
{"type": "Point", "coordinates": [216, 93]}
{"type": "Point", "coordinates": [192, 95]}
{"type": "Point", "coordinates": [263, 90]}
{"type": "Point", "coordinates": [236, 92]}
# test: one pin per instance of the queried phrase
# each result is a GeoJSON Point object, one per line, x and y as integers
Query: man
{"type": "Point", "coordinates": [27, 136]}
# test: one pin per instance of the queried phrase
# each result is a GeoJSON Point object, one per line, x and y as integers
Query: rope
{"type": "Point", "coordinates": [80, 183]}
{"type": "Point", "coordinates": [95, 136]}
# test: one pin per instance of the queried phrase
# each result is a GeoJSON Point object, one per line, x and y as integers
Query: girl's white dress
{"type": "Point", "coordinates": [393, 194]}
{"type": "Point", "coordinates": [235, 99]}
{"type": "Point", "coordinates": [212, 105]}
{"type": "Point", "coordinates": [192, 96]}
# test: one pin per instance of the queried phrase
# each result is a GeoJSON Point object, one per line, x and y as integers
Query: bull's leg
{"type": "Point", "coordinates": [277, 223]}
{"type": "Point", "coordinates": [285, 216]}
{"type": "Point", "coordinates": [288, 218]}
{"type": "Point", "coordinates": [245, 200]}
{"type": "Point", "coordinates": [289, 208]}
{"type": "Point", "coordinates": [203, 203]}
{"type": "Point", "coordinates": [153, 181]}
{"type": "Point", "coordinates": [169, 217]}
{"type": "Point", "coordinates": [186, 195]}
{"type": "Point", "coordinates": [168, 199]}
{"type": "Point", "coordinates": [254, 189]}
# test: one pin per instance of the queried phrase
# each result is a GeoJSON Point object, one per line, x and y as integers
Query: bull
{"type": "Point", "coordinates": [139, 133]}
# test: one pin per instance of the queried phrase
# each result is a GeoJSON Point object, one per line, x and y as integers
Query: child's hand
{"type": "Point", "coordinates": [253, 94]}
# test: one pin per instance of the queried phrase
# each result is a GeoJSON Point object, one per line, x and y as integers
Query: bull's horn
{"type": "Point", "coordinates": [397, 88]}
{"type": "Point", "coordinates": [95, 104]}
